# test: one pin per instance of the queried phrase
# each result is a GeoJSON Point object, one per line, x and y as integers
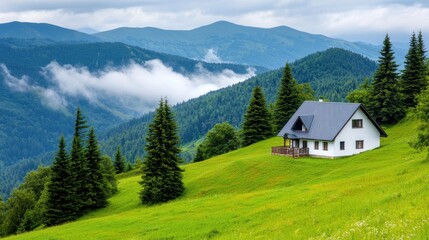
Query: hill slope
{"type": "Point", "coordinates": [26, 30]}
{"type": "Point", "coordinates": [35, 110]}
{"type": "Point", "coordinates": [249, 193]}
{"type": "Point", "coordinates": [331, 73]}
{"type": "Point", "coordinates": [269, 48]}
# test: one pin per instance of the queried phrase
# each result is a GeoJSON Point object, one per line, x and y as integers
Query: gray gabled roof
{"type": "Point", "coordinates": [324, 120]}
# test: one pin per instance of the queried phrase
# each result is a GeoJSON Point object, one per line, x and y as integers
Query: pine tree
{"type": "Point", "coordinates": [386, 104]}
{"type": "Point", "coordinates": [60, 202]}
{"type": "Point", "coordinates": [413, 77]}
{"type": "Point", "coordinates": [119, 161]}
{"type": "Point", "coordinates": [162, 176]}
{"type": "Point", "coordinates": [95, 182]}
{"type": "Point", "coordinates": [422, 113]}
{"type": "Point", "coordinates": [288, 99]}
{"type": "Point", "coordinates": [108, 172]}
{"type": "Point", "coordinates": [421, 52]}
{"type": "Point", "coordinates": [79, 163]}
{"type": "Point", "coordinates": [256, 125]}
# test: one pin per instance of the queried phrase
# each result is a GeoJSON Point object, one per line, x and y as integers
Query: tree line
{"type": "Point", "coordinates": [76, 183]}
{"type": "Point", "coordinates": [389, 95]}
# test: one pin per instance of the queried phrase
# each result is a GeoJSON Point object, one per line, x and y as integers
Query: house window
{"type": "Point", "coordinates": [342, 145]}
{"type": "Point", "coordinates": [304, 144]}
{"type": "Point", "coordinates": [316, 145]}
{"type": "Point", "coordinates": [357, 123]}
{"type": "Point", "coordinates": [325, 146]}
{"type": "Point", "coordinates": [359, 144]}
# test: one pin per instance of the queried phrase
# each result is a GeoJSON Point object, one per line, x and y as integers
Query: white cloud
{"type": "Point", "coordinates": [138, 87]}
{"type": "Point", "coordinates": [352, 20]}
{"type": "Point", "coordinates": [211, 56]}
{"type": "Point", "coordinates": [48, 97]}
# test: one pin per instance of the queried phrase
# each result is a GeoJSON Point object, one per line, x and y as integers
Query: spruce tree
{"type": "Point", "coordinates": [422, 113]}
{"type": "Point", "coordinates": [256, 125]}
{"type": "Point", "coordinates": [60, 202]}
{"type": "Point", "coordinates": [79, 163]}
{"type": "Point", "coordinates": [386, 104]}
{"type": "Point", "coordinates": [108, 171]}
{"type": "Point", "coordinates": [288, 99]}
{"type": "Point", "coordinates": [95, 182]}
{"type": "Point", "coordinates": [421, 52]}
{"type": "Point", "coordinates": [413, 75]}
{"type": "Point", "coordinates": [119, 161]}
{"type": "Point", "coordinates": [162, 176]}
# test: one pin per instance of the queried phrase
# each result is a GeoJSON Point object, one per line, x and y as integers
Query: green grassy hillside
{"type": "Point", "coordinates": [248, 193]}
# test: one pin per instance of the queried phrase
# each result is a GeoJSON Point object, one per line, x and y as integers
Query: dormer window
{"type": "Point", "coordinates": [303, 123]}
{"type": "Point", "coordinates": [357, 123]}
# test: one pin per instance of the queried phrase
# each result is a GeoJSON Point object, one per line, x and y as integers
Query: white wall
{"type": "Point", "coordinates": [320, 152]}
{"type": "Point", "coordinates": [368, 133]}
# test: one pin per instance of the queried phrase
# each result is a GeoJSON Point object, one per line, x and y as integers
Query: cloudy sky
{"type": "Point", "coordinates": [364, 20]}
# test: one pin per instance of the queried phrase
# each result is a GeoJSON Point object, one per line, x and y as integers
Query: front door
{"type": "Point", "coordinates": [304, 144]}
{"type": "Point", "coordinates": [295, 143]}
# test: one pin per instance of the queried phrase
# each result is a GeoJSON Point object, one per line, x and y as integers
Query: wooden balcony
{"type": "Point", "coordinates": [289, 151]}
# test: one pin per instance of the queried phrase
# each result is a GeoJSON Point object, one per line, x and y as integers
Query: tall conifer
{"type": "Point", "coordinates": [288, 99]}
{"type": "Point", "coordinates": [119, 161]}
{"type": "Point", "coordinates": [60, 203]}
{"type": "Point", "coordinates": [414, 73]}
{"type": "Point", "coordinates": [410, 79]}
{"type": "Point", "coordinates": [79, 163]}
{"type": "Point", "coordinates": [386, 104]}
{"type": "Point", "coordinates": [162, 176]}
{"type": "Point", "coordinates": [257, 120]}
{"type": "Point", "coordinates": [95, 183]}
{"type": "Point", "coordinates": [421, 52]}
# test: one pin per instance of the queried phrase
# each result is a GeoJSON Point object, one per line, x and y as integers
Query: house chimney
{"type": "Point", "coordinates": [320, 100]}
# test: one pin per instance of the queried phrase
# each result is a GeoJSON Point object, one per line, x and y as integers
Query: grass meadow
{"type": "Point", "coordinates": [251, 194]}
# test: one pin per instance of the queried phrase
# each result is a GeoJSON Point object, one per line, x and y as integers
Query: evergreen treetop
{"type": "Point", "coordinates": [413, 78]}
{"type": "Point", "coordinates": [60, 204]}
{"type": "Point", "coordinates": [386, 104]}
{"type": "Point", "coordinates": [257, 120]}
{"type": "Point", "coordinates": [288, 99]}
{"type": "Point", "coordinates": [162, 176]}
{"type": "Point", "coordinates": [119, 161]}
{"type": "Point", "coordinates": [95, 183]}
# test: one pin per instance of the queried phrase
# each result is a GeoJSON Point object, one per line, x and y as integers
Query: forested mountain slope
{"type": "Point", "coordinates": [36, 108]}
{"type": "Point", "coordinates": [332, 74]}
{"type": "Point", "coordinates": [26, 30]}
{"type": "Point", "coordinates": [268, 47]}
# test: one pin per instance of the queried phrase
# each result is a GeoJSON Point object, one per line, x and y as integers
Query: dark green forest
{"type": "Point", "coordinates": [29, 130]}
{"type": "Point", "coordinates": [331, 73]}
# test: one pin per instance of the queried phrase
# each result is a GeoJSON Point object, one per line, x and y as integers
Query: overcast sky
{"type": "Point", "coordinates": [363, 20]}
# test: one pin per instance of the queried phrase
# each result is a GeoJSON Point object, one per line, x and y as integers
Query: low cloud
{"type": "Point", "coordinates": [212, 57]}
{"type": "Point", "coordinates": [48, 97]}
{"type": "Point", "coordinates": [136, 87]}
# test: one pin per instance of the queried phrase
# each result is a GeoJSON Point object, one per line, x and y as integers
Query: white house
{"type": "Point", "coordinates": [329, 129]}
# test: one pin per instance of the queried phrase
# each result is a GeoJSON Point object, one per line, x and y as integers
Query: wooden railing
{"type": "Point", "coordinates": [288, 151]}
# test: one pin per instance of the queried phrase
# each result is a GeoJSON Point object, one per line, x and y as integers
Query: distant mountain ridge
{"type": "Point", "coordinates": [267, 47]}
{"type": "Point", "coordinates": [27, 30]}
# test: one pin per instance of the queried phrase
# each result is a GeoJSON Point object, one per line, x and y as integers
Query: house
{"type": "Point", "coordinates": [329, 129]}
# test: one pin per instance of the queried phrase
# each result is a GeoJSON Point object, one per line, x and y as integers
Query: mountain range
{"type": "Point", "coordinates": [47, 71]}
{"type": "Point", "coordinates": [227, 42]}
{"type": "Point", "coordinates": [217, 42]}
